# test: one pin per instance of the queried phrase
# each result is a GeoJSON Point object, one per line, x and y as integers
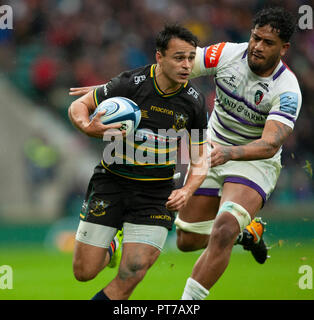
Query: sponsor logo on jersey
{"type": "Point", "coordinates": [160, 217]}
{"type": "Point", "coordinates": [230, 81]}
{"type": "Point", "coordinates": [162, 110]}
{"type": "Point", "coordinates": [241, 109]}
{"type": "Point", "coordinates": [180, 121]}
{"type": "Point", "coordinates": [213, 54]}
{"type": "Point", "coordinates": [264, 86]}
{"type": "Point", "coordinates": [289, 102]}
{"type": "Point", "coordinates": [258, 97]}
{"type": "Point", "coordinates": [139, 79]}
{"type": "Point", "coordinates": [192, 92]}
{"type": "Point", "coordinates": [105, 89]}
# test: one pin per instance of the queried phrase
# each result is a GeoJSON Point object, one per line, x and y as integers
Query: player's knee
{"type": "Point", "coordinates": [132, 272]}
{"type": "Point", "coordinates": [224, 232]}
{"type": "Point", "coordinates": [230, 221]}
{"type": "Point", "coordinates": [83, 273]}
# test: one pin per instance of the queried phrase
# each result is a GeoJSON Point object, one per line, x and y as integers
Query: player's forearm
{"type": "Point", "coordinates": [273, 137]}
{"type": "Point", "coordinates": [193, 182]}
{"type": "Point", "coordinates": [259, 149]}
{"type": "Point", "coordinates": [79, 115]}
{"type": "Point", "coordinates": [196, 175]}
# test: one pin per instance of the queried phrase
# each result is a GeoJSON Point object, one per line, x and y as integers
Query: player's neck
{"type": "Point", "coordinates": [269, 72]}
{"type": "Point", "coordinates": [165, 84]}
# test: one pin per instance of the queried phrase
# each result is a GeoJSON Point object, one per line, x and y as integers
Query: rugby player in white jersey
{"type": "Point", "coordinates": [258, 100]}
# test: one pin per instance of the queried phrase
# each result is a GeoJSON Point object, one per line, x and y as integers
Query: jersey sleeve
{"type": "Point", "coordinates": [286, 107]}
{"type": "Point", "coordinates": [115, 87]}
{"type": "Point", "coordinates": [210, 60]}
{"type": "Point", "coordinates": [207, 60]}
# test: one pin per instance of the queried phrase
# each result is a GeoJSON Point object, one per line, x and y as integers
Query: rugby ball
{"type": "Point", "coordinates": [120, 110]}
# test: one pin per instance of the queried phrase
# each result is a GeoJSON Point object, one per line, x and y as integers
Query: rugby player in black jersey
{"type": "Point", "coordinates": [140, 197]}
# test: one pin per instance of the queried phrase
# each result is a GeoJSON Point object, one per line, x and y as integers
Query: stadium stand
{"type": "Point", "coordinates": [55, 45]}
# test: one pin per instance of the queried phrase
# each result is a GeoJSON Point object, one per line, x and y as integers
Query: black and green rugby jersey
{"type": "Point", "coordinates": [150, 153]}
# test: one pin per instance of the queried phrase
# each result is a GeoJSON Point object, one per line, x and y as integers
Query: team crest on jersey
{"type": "Point", "coordinates": [97, 207]}
{"type": "Point", "coordinates": [180, 121]}
{"type": "Point", "coordinates": [258, 97]}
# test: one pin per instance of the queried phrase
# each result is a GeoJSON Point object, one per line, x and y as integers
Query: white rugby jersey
{"type": "Point", "coordinates": [245, 101]}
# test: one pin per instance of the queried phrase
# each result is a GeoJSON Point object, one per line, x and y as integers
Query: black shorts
{"type": "Point", "coordinates": [111, 200]}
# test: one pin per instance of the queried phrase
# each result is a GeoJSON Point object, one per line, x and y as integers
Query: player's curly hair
{"type": "Point", "coordinates": [174, 30]}
{"type": "Point", "coordinates": [278, 18]}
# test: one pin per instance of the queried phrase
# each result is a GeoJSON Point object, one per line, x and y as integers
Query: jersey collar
{"type": "Point", "coordinates": [159, 91]}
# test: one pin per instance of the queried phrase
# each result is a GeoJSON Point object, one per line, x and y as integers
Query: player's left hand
{"type": "Point", "coordinates": [178, 199]}
{"type": "Point", "coordinates": [219, 154]}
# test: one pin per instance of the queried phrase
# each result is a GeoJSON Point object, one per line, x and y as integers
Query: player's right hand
{"type": "Point", "coordinates": [219, 154]}
{"type": "Point", "coordinates": [80, 91]}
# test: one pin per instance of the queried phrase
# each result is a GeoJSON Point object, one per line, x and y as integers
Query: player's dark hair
{"type": "Point", "coordinates": [278, 18]}
{"type": "Point", "coordinates": [171, 31]}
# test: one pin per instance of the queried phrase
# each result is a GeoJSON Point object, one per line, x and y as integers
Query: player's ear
{"type": "Point", "coordinates": [158, 56]}
{"type": "Point", "coordinates": [284, 49]}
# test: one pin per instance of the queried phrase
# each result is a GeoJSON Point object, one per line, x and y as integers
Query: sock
{"type": "Point", "coordinates": [100, 296]}
{"type": "Point", "coordinates": [194, 291]}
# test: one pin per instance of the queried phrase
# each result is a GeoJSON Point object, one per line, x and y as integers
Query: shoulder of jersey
{"type": "Point", "coordinates": [287, 80]}
{"type": "Point", "coordinates": [224, 51]}
{"type": "Point", "coordinates": [194, 92]}
{"type": "Point", "coordinates": [288, 75]}
{"type": "Point", "coordinates": [236, 50]}
{"type": "Point", "coordinates": [139, 75]}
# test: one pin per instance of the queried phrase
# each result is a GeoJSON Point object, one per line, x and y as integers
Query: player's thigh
{"type": "Point", "coordinates": [91, 245]}
{"type": "Point", "coordinates": [243, 195]}
{"type": "Point", "coordinates": [200, 208]}
{"type": "Point", "coordinates": [249, 183]}
{"type": "Point", "coordinates": [87, 257]}
{"type": "Point", "coordinates": [100, 218]}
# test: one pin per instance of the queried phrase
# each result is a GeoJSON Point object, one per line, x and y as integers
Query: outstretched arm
{"type": "Point", "coordinates": [80, 91]}
{"type": "Point", "coordinates": [274, 135]}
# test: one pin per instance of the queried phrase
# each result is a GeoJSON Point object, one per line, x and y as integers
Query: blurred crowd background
{"type": "Point", "coordinates": [58, 44]}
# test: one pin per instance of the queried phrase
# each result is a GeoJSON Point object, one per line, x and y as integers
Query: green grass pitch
{"type": "Point", "coordinates": [41, 274]}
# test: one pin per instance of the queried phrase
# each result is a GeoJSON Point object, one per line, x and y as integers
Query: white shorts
{"type": "Point", "coordinates": [260, 175]}
{"type": "Point", "coordinates": [101, 236]}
